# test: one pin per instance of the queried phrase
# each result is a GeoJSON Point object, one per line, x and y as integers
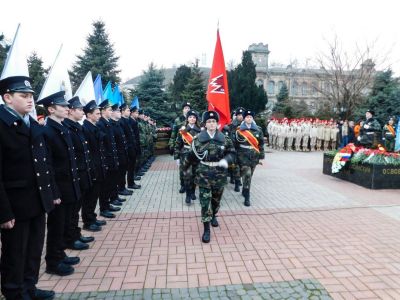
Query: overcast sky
{"type": "Point", "coordinates": [173, 32]}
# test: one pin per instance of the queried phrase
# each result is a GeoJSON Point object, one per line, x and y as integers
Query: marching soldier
{"type": "Point", "coordinates": [178, 123]}
{"type": "Point", "coordinates": [62, 159]}
{"type": "Point", "coordinates": [75, 114]}
{"type": "Point", "coordinates": [249, 143]}
{"type": "Point", "coordinates": [234, 168]}
{"type": "Point", "coordinates": [214, 152]}
{"type": "Point", "coordinates": [26, 192]}
{"type": "Point", "coordinates": [182, 149]}
{"type": "Point", "coordinates": [98, 168]}
{"type": "Point", "coordinates": [389, 135]}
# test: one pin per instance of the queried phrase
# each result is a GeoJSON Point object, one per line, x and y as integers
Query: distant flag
{"type": "Point", "coordinates": [58, 78]}
{"type": "Point", "coordinates": [16, 63]}
{"type": "Point", "coordinates": [397, 143]}
{"type": "Point", "coordinates": [108, 93]}
{"type": "Point", "coordinates": [85, 91]}
{"type": "Point", "coordinates": [217, 91]}
{"type": "Point", "coordinates": [98, 89]}
{"type": "Point", "coordinates": [116, 95]}
{"type": "Point", "coordinates": [135, 102]}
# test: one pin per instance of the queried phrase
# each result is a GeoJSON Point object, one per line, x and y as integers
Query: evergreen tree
{"type": "Point", "coordinates": [4, 47]}
{"type": "Point", "coordinates": [98, 57]}
{"type": "Point", "coordinates": [243, 90]}
{"type": "Point", "coordinates": [384, 97]}
{"type": "Point", "coordinates": [175, 89]}
{"type": "Point", "coordinates": [195, 91]}
{"type": "Point", "coordinates": [282, 100]}
{"type": "Point", "coordinates": [36, 72]}
{"type": "Point", "coordinates": [152, 96]}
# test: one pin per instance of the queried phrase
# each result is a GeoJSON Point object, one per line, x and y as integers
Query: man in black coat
{"type": "Point", "coordinates": [125, 122]}
{"type": "Point", "coordinates": [135, 127]}
{"type": "Point", "coordinates": [98, 167]}
{"type": "Point", "coordinates": [75, 240]}
{"type": "Point", "coordinates": [26, 192]}
{"type": "Point", "coordinates": [111, 180]}
{"type": "Point", "coordinates": [62, 158]}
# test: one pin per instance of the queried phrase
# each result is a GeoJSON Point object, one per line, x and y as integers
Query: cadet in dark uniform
{"type": "Point", "coordinates": [75, 114]}
{"type": "Point", "coordinates": [125, 123]}
{"type": "Point", "coordinates": [133, 171]}
{"type": "Point", "coordinates": [249, 144]}
{"type": "Point", "coordinates": [214, 152]}
{"type": "Point", "coordinates": [111, 180]}
{"type": "Point", "coordinates": [182, 149]}
{"type": "Point", "coordinates": [389, 135]}
{"type": "Point", "coordinates": [62, 158]}
{"type": "Point", "coordinates": [370, 132]}
{"type": "Point", "coordinates": [234, 168]}
{"type": "Point", "coordinates": [98, 168]}
{"type": "Point", "coordinates": [26, 192]}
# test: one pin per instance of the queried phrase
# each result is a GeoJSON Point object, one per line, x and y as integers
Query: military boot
{"type": "Point", "coordinates": [188, 197]}
{"type": "Point", "coordinates": [214, 221]}
{"type": "Point", "coordinates": [207, 233]}
{"type": "Point", "coordinates": [193, 194]}
{"type": "Point", "coordinates": [246, 195]}
{"type": "Point", "coordinates": [232, 180]}
{"type": "Point", "coordinates": [182, 189]}
{"type": "Point", "coordinates": [237, 185]}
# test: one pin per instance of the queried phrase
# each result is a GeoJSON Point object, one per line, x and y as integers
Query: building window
{"type": "Point", "coordinates": [314, 88]}
{"type": "Point", "coordinates": [271, 87]}
{"type": "Point", "coordinates": [295, 88]}
{"type": "Point", "coordinates": [304, 88]}
{"type": "Point", "coordinates": [259, 82]}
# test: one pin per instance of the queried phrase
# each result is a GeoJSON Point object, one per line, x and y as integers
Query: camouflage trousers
{"type": "Point", "coordinates": [181, 173]}
{"type": "Point", "coordinates": [389, 144]}
{"type": "Point", "coordinates": [189, 177]}
{"type": "Point", "coordinates": [210, 200]}
{"type": "Point", "coordinates": [234, 171]}
{"type": "Point", "coordinates": [247, 172]}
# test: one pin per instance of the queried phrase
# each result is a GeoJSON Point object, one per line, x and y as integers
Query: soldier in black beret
{"type": "Point", "coordinates": [111, 179]}
{"type": "Point", "coordinates": [75, 240]}
{"type": "Point", "coordinates": [26, 192]}
{"type": "Point", "coordinates": [98, 166]}
{"type": "Point", "coordinates": [62, 158]}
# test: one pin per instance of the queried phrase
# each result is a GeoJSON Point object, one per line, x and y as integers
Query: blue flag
{"type": "Point", "coordinates": [397, 144]}
{"type": "Point", "coordinates": [108, 93]}
{"type": "Point", "coordinates": [135, 102]}
{"type": "Point", "coordinates": [98, 89]}
{"type": "Point", "coordinates": [116, 96]}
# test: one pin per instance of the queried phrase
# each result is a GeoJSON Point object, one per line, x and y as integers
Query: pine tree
{"type": "Point", "coordinates": [36, 72]}
{"type": "Point", "coordinates": [282, 99]}
{"type": "Point", "coordinates": [152, 96]}
{"type": "Point", "coordinates": [175, 89]}
{"type": "Point", "coordinates": [98, 57]}
{"type": "Point", "coordinates": [4, 47]}
{"type": "Point", "coordinates": [243, 90]}
{"type": "Point", "coordinates": [195, 91]}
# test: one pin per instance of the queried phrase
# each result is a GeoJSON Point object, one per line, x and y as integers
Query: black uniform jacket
{"type": "Point", "coordinates": [130, 137]}
{"type": "Point", "coordinates": [120, 141]}
{"type": "Point", "coordinates": [61, 156]}
{"type": "Point", "coordinates": [109, 144]}
{"type": "Point", "coordinates": [82, 153]}
{"type": "Point", "coordinates": [135, 127]}
{"type": "Point", "coordinates": [25, 182]}
{"type": "Point", "coordinates": [94, 137]}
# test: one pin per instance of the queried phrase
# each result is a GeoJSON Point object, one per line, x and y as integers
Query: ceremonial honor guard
{"type": "Point", "coordinates": [389, 135]}
{"type": "Point", "coordinates": [98, 167]}
{"type": "Point", "coordinates": [182, 149]}
{"type": "Point", "coordinates": [133, 174]}
{"type": "Point", "coordinates": [249, 144]}
{"type": "Point", "coordinates": [234, 168]}
{"type": "Point", "coordinates": [214, 152]}
{"type": "Point", "coordinates": [26, 192]}
{"type": "Point", "coordinates": [370, 131]}
{"type": "Point", "coordinates": [62, 159]}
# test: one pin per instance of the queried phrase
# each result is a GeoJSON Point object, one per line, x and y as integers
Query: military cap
{"type": "Point", "coordinates": [184, 104]}
{"type": "Point", "coordinates": [90, 106]}
{"type": "Point", "coordinates": [123, 106]}
{"type": "Point", "coordinates": [248, 113]}
{"type": "Point", "coordinates": [21, 84]}
{"type": "Point", "coordinates": [133, 108]}
{"type": "Point", "coordinates": [141, 112]}
{"type": "Point", "coordinates": [239, 111]}
{"type": "Point", "coordinates": [146, 114]}
{"type": "Point", "coordinates": [115, 107]}
{"type": "Point", "coordinates": [370, 111]}
{"type": "Point", "coordinates": [192, 113]}
{"type": "Point", "coordinates": [211, 114]}
{"type": "Point", "coordinates": [54, 99]}
{"type": "Point", "coordinates": [105, 104]}
{"type": "Point", "coordinates": [75, 102]}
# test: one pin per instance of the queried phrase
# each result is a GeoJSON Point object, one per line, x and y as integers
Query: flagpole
{"type": "Point", "coordinates": [52, 66]}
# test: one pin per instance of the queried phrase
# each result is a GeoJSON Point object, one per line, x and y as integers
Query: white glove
{"type": "Point", "coordinates": [366, 126]}
{"type": "Point", "coordinates": [177, 162]}
{"type": "Point", "coordinates": [359, 138]}
{"type": "Point", "coordinates": [223, 163]}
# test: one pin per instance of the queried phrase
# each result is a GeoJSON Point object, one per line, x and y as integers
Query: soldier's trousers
{"type": "Point", "coordinates": [131, 170]}
{"type": "Point", "coordinates": [313, 143]}
{"type": "Point", "coordinates": [89, 202]}
{"type": "Point", "coordinates": [108, 188]}
{"type": "Point", "coordinates": [122, 177]}
{"type": "Point", "coordinates": [210, 200]}
{"type": "Point", "coordinates": [247, 173]}
{"type": "Point", "coordinates": [304, 145]}
{"type": "Point", "coordinates": [319, 144]}
{"type": "Point", "coordinates": [289, 144]}
{"type": "Point", "coordinates": [181, 174]}
{"type": "Point", "coordinates": [389, 145]}
{"type": "Point", "coordinates": [21, 250]}
{"type": "Point", "coordinates": [189, 178]}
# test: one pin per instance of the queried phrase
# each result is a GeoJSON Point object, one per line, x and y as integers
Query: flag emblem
{"type": "Point", "coordinates": [217, 84]}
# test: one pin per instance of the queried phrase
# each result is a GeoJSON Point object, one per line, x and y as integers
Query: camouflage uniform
{"type": "Point", "coordinates": [178, 123]}
{"type": "Point", "coordinates": [234, 169]}
{"type": "Point", "coordinates": [143, 141]}
{"type": "Point", "coordinates": [248, 157]}
{"type": "Point", "coordinates": [389, 137]}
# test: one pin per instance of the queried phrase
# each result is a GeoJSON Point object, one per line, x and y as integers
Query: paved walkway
{"type": "Point", "coordinates": [303, 229]}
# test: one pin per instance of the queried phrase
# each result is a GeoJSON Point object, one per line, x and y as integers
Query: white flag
{"type": "Point", "coordinates": [85, 91]}
{"type": "Point", "coordinates": [58, 79]}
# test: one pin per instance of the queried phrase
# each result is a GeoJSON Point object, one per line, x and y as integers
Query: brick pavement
{"type": "Point", "coordinates": [302, 225]}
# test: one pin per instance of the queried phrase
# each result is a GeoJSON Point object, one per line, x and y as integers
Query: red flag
{"type": "Point", "coordinates": [217, 91]}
